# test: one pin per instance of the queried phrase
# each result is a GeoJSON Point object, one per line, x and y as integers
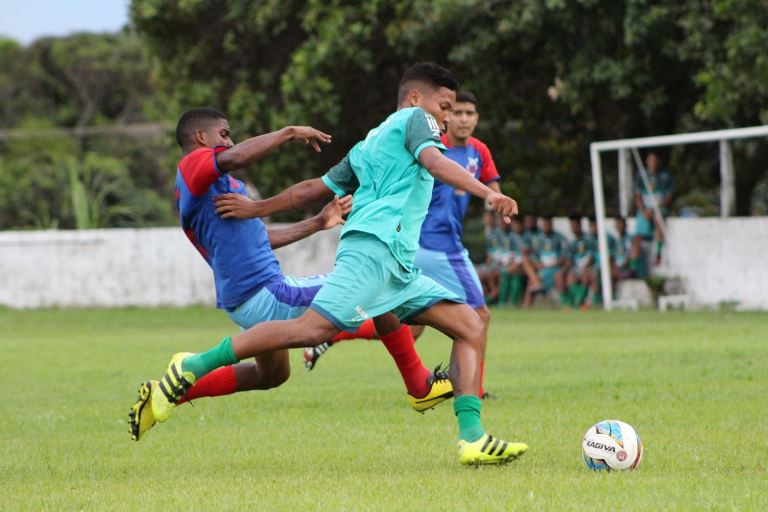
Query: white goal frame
{"type": "Point", "coordinates": [624, 147]}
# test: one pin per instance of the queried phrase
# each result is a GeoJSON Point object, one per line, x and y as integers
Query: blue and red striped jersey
{"type": "Point", "coordinates": [444, 224]}
{"type": "Point", "coordinates": [237, 250]}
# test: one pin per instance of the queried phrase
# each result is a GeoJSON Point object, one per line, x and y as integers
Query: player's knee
{"type": "Point", "coordinates": [485, 314]}
{"type": "Point", "coordinates": [279, 377]}
{"type": "Point", "coordinates": [472, 328]}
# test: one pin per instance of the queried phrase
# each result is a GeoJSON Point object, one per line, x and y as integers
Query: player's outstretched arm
{"type": "Point", "coordinates": [305, 193]}
{"type": "Point", "coordinates": [331, 215]}
{"type": "Point", "coordinates": [448, 171]}
{"type": "Point", "coordinates": [249, 151]}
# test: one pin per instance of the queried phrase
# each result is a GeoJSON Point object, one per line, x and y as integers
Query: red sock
{"type": "Point", "coordinates": [219, 382]}
{"type": "Point", "coordinates": [367, 331]}
{"type": "Point", "coordinates": [482, 378]}
{"type": "Point", "coordinates": [400, 346]}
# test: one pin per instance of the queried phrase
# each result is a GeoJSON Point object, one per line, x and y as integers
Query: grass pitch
{"type": "Point", "coordinates": [342, 437]}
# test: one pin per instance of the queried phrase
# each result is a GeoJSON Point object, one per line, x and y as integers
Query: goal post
{"type": "Point", "coordinates": [625, 147]}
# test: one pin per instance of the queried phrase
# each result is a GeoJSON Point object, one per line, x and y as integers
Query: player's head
{"type": "Point", "coordinates": [575, 220]}
{"type": "Point", "coordinates": [202, 127]}
{"type": "Point", "coordinates": [621, 225]}
{"type": "Point", "coordinates": [531, 222]}
{"type": "Point", "coordinates": [464, 117]}
{"type": "Point", "coordinates": [517, 225]}
{"type": "Point", "coordinates": [431, 87]}
{"type": "Point", "coordinates": [546, 224]}
{"type": "Point", "coordinates": [592, 224]}
{"type": "Point", "coordinates": [652, 162]}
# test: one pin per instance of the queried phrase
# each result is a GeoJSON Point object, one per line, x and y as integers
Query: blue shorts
{"type": "Point", "coordinates": [367, 281]}
{"type": "Point", "coordinates": [454, 271]}
{"type": "Point", "coordinates": [282, 299]}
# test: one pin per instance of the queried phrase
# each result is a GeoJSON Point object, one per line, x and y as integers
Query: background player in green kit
{"type": "Point", "coordinates": [391, 175]}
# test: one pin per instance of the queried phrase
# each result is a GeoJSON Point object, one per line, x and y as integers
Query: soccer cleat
{"type": "Point", "coordinates": [140, 417]}
{"type": "Point", "coordinates": [172, 387]}
{"type": "Point", "coordinates": [440, 389]}
{"type": "Point", "coordinates": [489, 450]}
{"type": "Point", "coordinates": [312, 354]}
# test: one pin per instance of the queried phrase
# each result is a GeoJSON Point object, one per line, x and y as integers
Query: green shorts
{"type": "Point", "coordinates": [367, 281]}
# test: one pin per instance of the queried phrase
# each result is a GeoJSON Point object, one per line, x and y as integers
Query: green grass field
{"type": "Point", "coordinates": [694, 386]}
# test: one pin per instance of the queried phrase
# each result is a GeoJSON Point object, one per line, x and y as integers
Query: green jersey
{"type": "Point", "coordinates": [581, 249]}
{"type": "Point", "coordinates": [391, 189]}
{"type": "Point", "coordinates": [551, 247]}
{"type": "Point", "coordinates": [660, 184]}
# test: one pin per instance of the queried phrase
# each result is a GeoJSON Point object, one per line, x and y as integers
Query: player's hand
{"type": "Point", "coordinates": [505, 205]}
{"type": "Point", "coordinates": [310, 136]}
{"type": "Point", "coordinates": [332, 213]}
{"type": "Point", "coordinates": [236, 206]}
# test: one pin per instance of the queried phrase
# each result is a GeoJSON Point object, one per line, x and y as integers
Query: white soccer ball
{"type": "Point", "coordinates": [612, 445]}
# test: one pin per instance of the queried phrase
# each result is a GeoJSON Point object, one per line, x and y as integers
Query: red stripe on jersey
{"type": "Point", "coordinates": [488, 172]}
{"type": "Point", "coordinates": [199, 169]}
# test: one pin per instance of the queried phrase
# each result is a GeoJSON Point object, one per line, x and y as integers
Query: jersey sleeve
{"type": "Point", "coordinates": [488, 172]}
{"type": "Point", "coordinates": [341, 178]}
{"type": "Point", "coordinates": [199, 169]}
{"type": "Point", "coordinates": [422, 132]}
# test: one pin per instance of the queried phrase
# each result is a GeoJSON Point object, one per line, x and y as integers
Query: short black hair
{"type": "Point", "coordinates": [592, 219]}
{"type": "Point", "coordinates": [195, 119]}
{"type": "Point", "coordinates": [429, 73]}
{"type": "Point", "coordinates": [466, 97]}
{"type": "Point", "coordinates": [547, 217]}
{"type": "Point", "coordinates": [620, 218]}
{"type": "Point", "coordinates": [575, 216]}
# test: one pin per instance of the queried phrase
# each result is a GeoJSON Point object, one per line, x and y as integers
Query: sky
{"type": "Point", "coordinates": [27, 20]}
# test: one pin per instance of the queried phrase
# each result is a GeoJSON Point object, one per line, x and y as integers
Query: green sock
{"type": "Point", "coordinates": [467, 409]}
{"type": "Point", "coordinates": [205, 362]}
{"type": "Point", "coordinates": [517, 289]}
{"type": "Point", "coordinates": [504, 288]}
{"type": "Point", "coordinates": [581, 294]}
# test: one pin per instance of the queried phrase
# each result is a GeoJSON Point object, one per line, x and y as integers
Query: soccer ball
{"type": "Point", "coordinates": [612, 445]}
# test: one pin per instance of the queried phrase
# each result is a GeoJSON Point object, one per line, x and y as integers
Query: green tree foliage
{"type": "Point", "coordinates": [77, 181]}
{"type": "Point", "coordinates": [551, 76]}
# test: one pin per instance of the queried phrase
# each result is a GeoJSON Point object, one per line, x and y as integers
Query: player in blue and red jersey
{"type": "Point", "coordinates": [442, 256]}
{"type": "Point", "coordinates": [249, 283]}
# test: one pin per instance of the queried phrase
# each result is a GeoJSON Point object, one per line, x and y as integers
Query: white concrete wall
{"type": "Point", "coordinates": [718, 260]}
{"type": "Point", "coordinates": [125, 267]}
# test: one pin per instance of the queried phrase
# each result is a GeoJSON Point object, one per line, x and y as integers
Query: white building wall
{"type": "Point", "coordinates": [718, 259]}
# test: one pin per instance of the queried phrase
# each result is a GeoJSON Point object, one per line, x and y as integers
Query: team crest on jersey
{"type": "Point", "coordinates": [233, 183]}
{"type": "Point", "coordinates": [473, 165]}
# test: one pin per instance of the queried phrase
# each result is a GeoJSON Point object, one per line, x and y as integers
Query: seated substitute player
{"type": "Point", "coordinates": [550, 260]}
{"type": "Point", "coordinates": [249, 283]}
{"type": "Point", "coordinates": [391, 175]}
{"type": "Point", "coordinates": [627, 251]}
{"type": "Point", "coordinates": [581, 252]}
{"type": "Point", "coordinates": [441, 254]}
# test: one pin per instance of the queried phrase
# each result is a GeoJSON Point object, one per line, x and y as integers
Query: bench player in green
{"type": "Point", "coordinates": [391, 174]}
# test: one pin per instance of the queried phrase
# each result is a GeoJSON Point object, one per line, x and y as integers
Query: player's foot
{"type": "Point", "coordinates": [172, 387]}
{"type": "Point", "coordinates": [487, 396]}
{"type": "Point", "coordinates": [440, 389]}
{"type": "Point", "coordinates": [140, 417]}
{"type": "Point", "coordinates": [489, 450]}
{"type": "Point", "coordinates": [312, 354]}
